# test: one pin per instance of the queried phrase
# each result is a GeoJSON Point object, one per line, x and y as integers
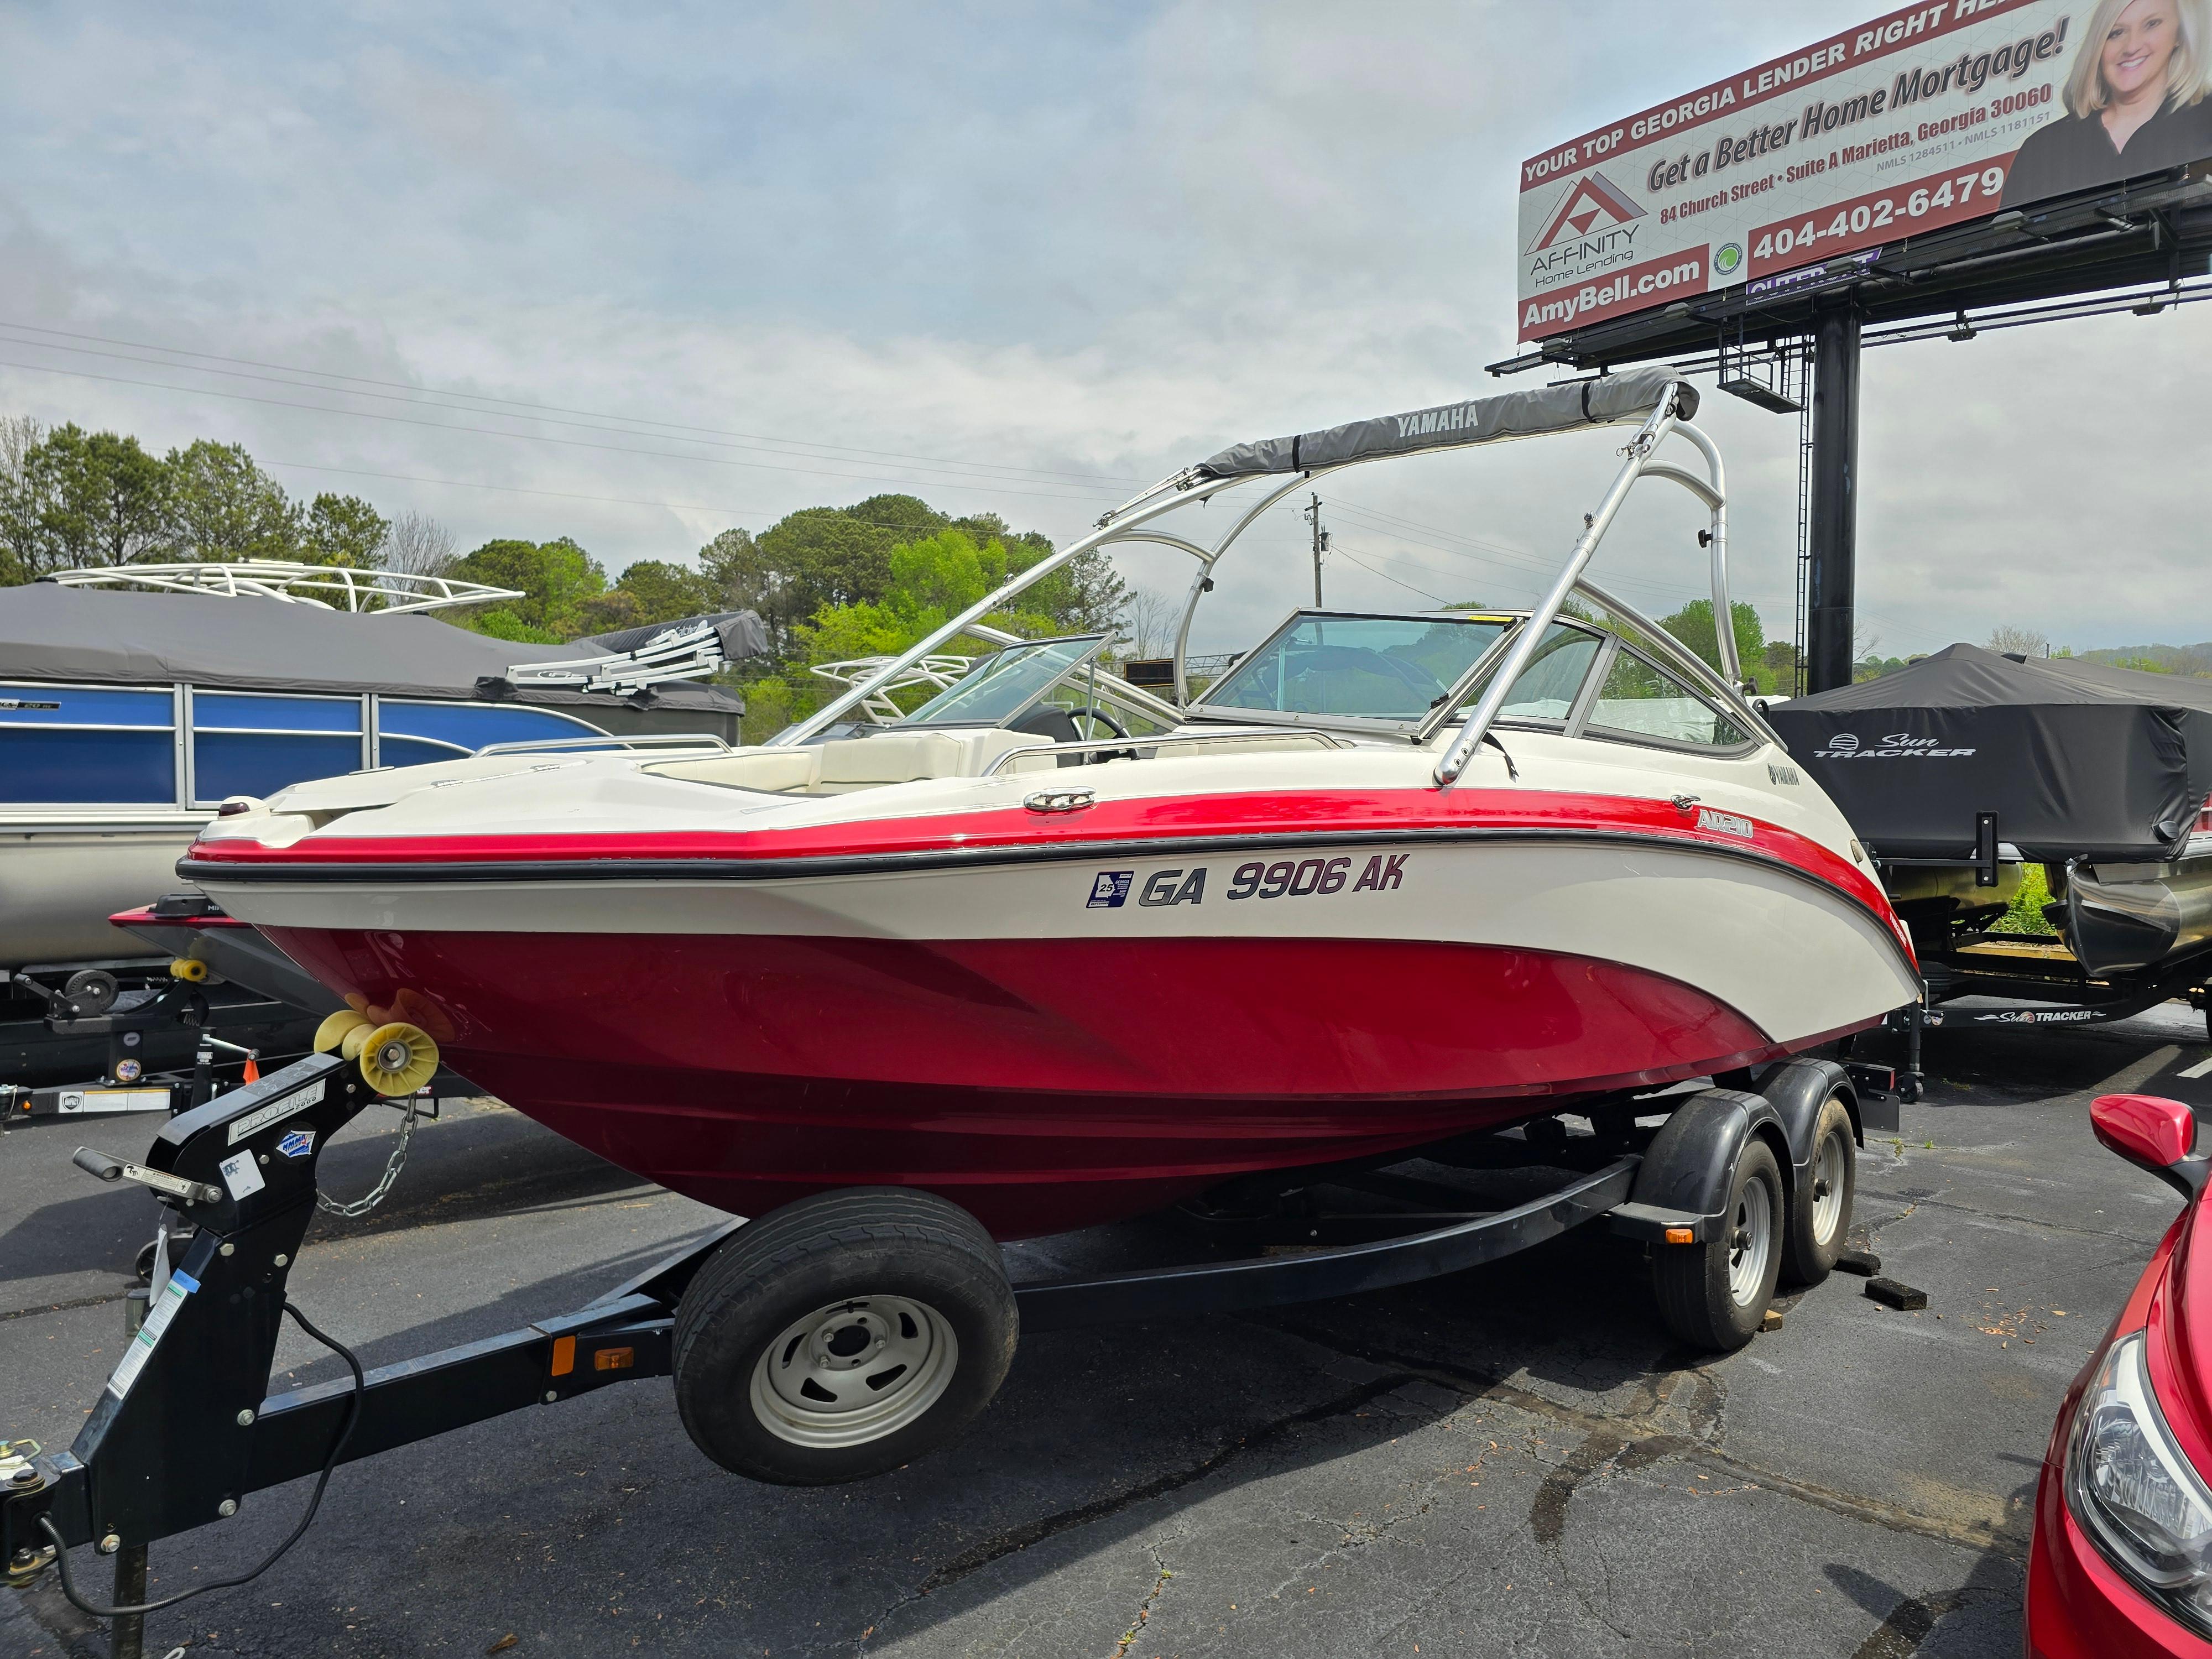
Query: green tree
{"type": "Point", "coordinates": [933, 579]}
{"type": "Point", "coordinates": [77, 498]}
{"type": "Point", "coordinates": [1693, 626]}
{"type": "Point", "coordinates": [225, 506]}
{"type": "Point", "coordinates": [344, 530]}
{"type": "Point", "coordinates": [557, 578]}
{"type": "Point", "coordinates": [833, 557]}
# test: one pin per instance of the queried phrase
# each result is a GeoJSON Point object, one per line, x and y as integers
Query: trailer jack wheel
{"type": "Point", "coordinates": [842, 1336]}
{"type": "Point", "coordinates": [1713, 1294]}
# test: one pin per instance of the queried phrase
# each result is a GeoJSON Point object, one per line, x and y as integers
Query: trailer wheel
{"type": "Point", "coordinates": [842, 1336]}
{"type": "Point", "coordinates": [1713, 1295]}
{"type": "Point", "coordinates": [1820, 1214]}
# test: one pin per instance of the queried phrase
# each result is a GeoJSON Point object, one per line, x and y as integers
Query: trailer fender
{"type": "Point", "coordinates": [1683, 1183]}
{"type": "Point", "coordinates": [1797, 1091]}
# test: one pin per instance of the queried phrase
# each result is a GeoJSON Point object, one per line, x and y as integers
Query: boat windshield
{"type": "Point", "coordinates": [999, 686]}
{"type": "Point", "coordinates": [1366, 667]}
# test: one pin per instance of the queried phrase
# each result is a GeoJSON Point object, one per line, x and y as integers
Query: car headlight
{"type": "Point", "coordinates": [2141, 1501]}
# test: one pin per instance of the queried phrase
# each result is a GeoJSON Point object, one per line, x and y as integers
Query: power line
{"type": "Point", "coordinates": [527, 437]}
{"type": "Point", "coordinates": [571, 495]}
{"type": "Point", "coordinates": [1435, 599]}
{"type": "Point", "coordinates": [532, 410]}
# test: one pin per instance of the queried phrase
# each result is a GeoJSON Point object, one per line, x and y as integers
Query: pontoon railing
{"type": "Point", "coordinates": [680, 654]}
{"type": "Point", "coordinates": [376, 593]}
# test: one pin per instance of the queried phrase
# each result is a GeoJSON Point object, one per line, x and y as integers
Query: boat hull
{"type": "Point", "coordinates": [1023, 1079]}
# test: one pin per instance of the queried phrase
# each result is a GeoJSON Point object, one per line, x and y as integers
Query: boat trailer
{"type": "Point", "coordinates": [185, 1433]}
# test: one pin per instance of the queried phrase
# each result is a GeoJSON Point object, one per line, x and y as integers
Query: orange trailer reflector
{"type": "Point", "coordinates": [1678, 1236]}
{"type": "Point", "coordinates": [564, 1355]}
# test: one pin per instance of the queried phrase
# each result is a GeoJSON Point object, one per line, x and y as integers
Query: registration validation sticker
{"type": "Point", "coordinates": [1110, 889]}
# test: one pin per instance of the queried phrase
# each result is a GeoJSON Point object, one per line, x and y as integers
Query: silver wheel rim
{"type": "Point", "coordinates": [1751, 1241]}
{"type": "Point", "coordinates": [1830, 1172]}
{"type": "Point", "coordinates": [854, 1371]}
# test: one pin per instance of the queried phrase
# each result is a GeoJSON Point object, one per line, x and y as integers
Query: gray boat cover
{"type": "Point", "coordinates": [2076, 760]}
{"type": "Point", "coordinates": [1608, 398]}
{"type": "Point", "coordinates": [743, 635]}
{"type": "Point", "coordinates": [105, 636]}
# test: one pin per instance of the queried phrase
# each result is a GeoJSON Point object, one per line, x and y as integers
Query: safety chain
{"type": "Point", "coordinates": [375, 1195]}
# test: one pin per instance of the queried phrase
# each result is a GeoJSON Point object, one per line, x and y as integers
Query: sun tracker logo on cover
{"type": "Point", "coordinates": [1590, 198]}
{"type": "Point", "coordinates": [1843, 741]}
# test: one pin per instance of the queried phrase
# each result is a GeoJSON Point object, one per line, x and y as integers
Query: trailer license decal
{"type": "Point", "coordinates": [1726, 824]}
{"type": "Point", "coordinates": [139, 1348]}
{"type": "Point", "coordinates": [262, 1117]}
{"type": "Point", "coordinates": [1111, 889]}
{"type": "Point", "coordinates": [239, 1175]}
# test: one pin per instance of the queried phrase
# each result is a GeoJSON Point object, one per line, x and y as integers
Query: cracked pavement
{"type": "Point", "coordinates": [1512, 1460]}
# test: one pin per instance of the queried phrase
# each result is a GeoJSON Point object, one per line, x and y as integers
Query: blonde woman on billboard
{"type": "Point", "coordinates": [2135, 102]}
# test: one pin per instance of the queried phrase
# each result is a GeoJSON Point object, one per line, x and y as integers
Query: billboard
{"type": "Point", "coordinates": [1941, 112]}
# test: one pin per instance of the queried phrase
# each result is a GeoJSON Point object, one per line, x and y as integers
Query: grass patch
{"type": "Point", "coordinates": [2025, 915]}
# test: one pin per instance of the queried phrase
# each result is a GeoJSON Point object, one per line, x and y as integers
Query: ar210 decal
{"type": "Point", "coordinates": [1285, 878]}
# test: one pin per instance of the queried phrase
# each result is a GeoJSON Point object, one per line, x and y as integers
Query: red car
{"type": "Point", "coordinates": [2122, 1562]}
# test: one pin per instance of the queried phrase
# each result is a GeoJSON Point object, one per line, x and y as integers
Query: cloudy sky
{"type": "Point", "coordinates": [637, 277]}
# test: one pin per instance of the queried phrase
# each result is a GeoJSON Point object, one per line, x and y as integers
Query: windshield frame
{"type": "Point", "coordinates": [1110, 689]}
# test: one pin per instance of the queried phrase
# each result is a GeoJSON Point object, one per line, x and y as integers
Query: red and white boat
{"type": "Point", "coordinates": [1059, 952]}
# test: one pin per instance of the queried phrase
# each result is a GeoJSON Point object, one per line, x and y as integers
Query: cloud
{"type": "Point", "coordinates": [1005, 259]}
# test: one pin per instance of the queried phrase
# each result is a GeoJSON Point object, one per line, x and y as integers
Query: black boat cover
{"type": "Point", "coordinates": [90, 636]}
{"type": "Point", "coordinates": [2076, 760]}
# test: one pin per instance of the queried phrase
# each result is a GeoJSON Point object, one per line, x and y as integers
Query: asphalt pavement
{"type": "Point", "coordinates": [1513, 1461]}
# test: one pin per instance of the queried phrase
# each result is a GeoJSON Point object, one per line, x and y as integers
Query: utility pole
{"type": "Point", "coordinates": [1833, 544]}
{"type": "Point", "coordinates": [1320, 545]}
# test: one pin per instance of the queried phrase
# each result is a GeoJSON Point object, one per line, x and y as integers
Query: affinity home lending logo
{"type": "Point", "coordinates": [1591, 198]}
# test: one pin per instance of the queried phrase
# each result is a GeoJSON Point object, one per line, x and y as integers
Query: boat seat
{"type": "Point", "coordinates": [779, 771]}
{"type": "Point", "coordinates": [908, 757]}
{"type": "Point", "coordinates": [842, 766]}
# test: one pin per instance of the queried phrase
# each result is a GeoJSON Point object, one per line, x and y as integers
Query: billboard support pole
{"type": "Point", "coordinates": [1835, 496]}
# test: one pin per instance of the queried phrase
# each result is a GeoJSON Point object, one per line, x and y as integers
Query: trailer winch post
{"type": "Point", "coordinates": [169, 1444]}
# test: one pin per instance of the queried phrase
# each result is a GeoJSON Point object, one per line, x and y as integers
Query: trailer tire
{"type": "Point", "coordinates": [1820, 1210]}
{"type": "Point", "coordinates": [842, 1336]}
{"type": "Point", "coordinates": [1713, 1294]}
